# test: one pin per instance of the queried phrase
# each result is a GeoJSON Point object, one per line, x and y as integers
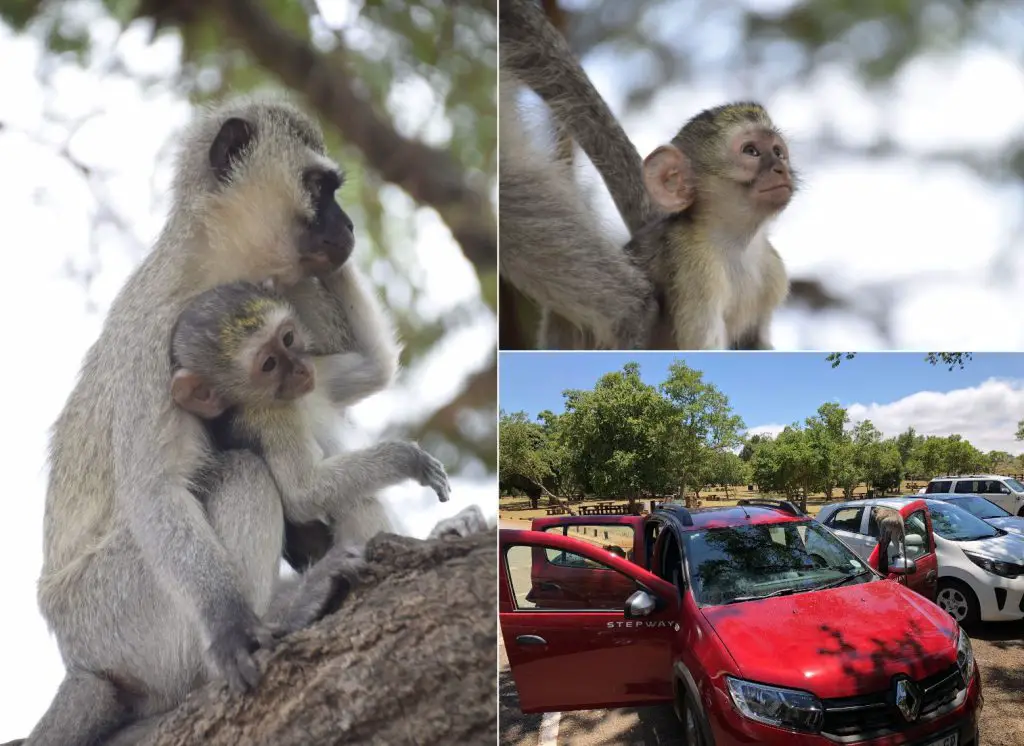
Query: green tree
{"type": "Point", "coordinates": [521, 452]}
{"type": "Point", "coordinates": [928, 458]}
{"type": "Point", "coordinates": [727, 468]}
{"type": "Point", "coordinates": [705, 425]}
{"type": "Point", "coordinates": [618, 436]}
{"type": "Point", "coordinates": [750, 445]}
{"type": "Point", "coordinates": [826, 435]}
{"type": "Point", "coordinates": [961, 457]}
{"type": "Point", "coordinates": [1020, 430]}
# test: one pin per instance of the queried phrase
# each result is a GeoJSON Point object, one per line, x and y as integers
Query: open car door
{"type": "Point", "coordinates": [919, 568]}
{"type": "Point", "coordinates": [597, 651]}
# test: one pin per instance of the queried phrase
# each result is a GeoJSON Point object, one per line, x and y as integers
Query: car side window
{"type": "Point", "coordinates": [998, 488]}
{"type": "Point", "coordinates": [937, 487]}
{"type": "Point", "coordinates": [966, 487]}
{"type": "Point", "coordinates": [916, 525]}
{"type": "Point", "coordinates": [612, 538]}
{"type": "Point", "coordinates": [546, 579]}
{"type": "Point", "coordinates": [846, 519]}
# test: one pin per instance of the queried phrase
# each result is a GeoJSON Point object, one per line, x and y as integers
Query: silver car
{"type": "Point", "coordinates": [986, 510]}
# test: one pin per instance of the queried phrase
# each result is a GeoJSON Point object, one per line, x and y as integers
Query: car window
{"type": "Point", "coordinates": [846, 519]}
{"type": "Point", "coordinates": [545, 579]}
{"type": "Point", "coordinates": [915, 525]}
{"type": "Point", "coordinates": [940, 486]}
{"type": "Point", "coordinates": [739, 563]}
{"type": "Point", "coordinates": [954, 524]}
{"type": "Point", "coordinates": [1014, 485]}
{"type": "Point", "coordinates": [615, 539]}
{"type": "Point", "coordinates": [996, 487]}
{"type": "Point", "coordinates": [979, 507]}
{"type": "Point", "coordinates": [966, 487]}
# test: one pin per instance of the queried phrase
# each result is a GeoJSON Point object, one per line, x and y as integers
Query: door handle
{"type": "Point", "coordinates": [549, 586]}
{"type": "Point", "coordinates": [531, 640]}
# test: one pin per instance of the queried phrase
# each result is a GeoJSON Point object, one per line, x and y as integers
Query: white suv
{"type": "Point", "coordinates": [1006, 492]}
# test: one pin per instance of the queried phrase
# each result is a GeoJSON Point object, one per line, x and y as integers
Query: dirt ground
{"type": "Point", "coordinates": [999, 650]}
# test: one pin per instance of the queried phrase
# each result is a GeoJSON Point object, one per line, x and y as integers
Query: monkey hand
{"type": "Point", "coordinates": [466, 522]}
{"type": "Point", "coordinates": [233, 646]}
{"type": "Point", "coordinates": [431, 474]}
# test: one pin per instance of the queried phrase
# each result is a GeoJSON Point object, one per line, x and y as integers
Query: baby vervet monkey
{"type": "Point", "coordinates": [720, 181]}
{"type": "Point", "coordinates": [241, 362]}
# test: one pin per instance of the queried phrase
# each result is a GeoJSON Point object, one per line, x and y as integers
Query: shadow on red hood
{"type": "Point", "coordinates": [839, 642]}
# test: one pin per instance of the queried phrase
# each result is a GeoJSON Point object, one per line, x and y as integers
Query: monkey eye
{"type": "Point", "coordinates": [778, 152]}
{"type": "Point", "coordinates": [751, 149]}
{"type": "Point", "coordinates": [269, 364]}
{"type": "Point", "coordinates": [288, 338]}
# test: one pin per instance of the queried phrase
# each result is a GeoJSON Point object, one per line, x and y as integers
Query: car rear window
{"type": "Point", "coordinates": [940, 486]}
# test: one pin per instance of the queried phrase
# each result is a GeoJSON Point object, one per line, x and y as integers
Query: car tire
{"type": "Point", "coordinates": [958, 600]}
{"type": "Point", "coordinates": [690, 719]}
{"type": "Point", "coordinates": [1020, 513]}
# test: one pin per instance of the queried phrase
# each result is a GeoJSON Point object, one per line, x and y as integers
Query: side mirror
{"type": "Point", "coordinates": [915, 540]}
{"type": "Point", "coordinates": [640, 604]}
{"type": "Point", "coordinates": [902, 566]}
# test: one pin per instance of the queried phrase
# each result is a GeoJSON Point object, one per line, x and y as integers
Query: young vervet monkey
{"type": "Point", "coordinates": [698, 208]}
{"type": "Point", "coordinates": [723, 177]}
{"type": "Point", "coordinates": [148, 594]}
{"type": "Point", "coordinates": [241, 361]}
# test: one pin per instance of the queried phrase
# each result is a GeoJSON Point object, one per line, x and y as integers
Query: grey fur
{"type": "Point", "coordinates": [142, 587]}
{"type": "Point", "coordinates": [556, 253]}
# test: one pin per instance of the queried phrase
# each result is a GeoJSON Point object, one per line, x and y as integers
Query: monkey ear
{"type": "Point", "coordinates": [234, 135]}
{"type": "Point", "coordinates": [668, 179]}
{"type": "Point", "coordinates": [192, 394]}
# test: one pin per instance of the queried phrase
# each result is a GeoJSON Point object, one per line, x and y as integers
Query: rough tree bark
{"type": "Point", "coordinates": [410, 658]}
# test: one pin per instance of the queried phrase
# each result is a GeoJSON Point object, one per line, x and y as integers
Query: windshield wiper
{"type": "Point", "coordinates": [773, 594]}
{"type": "Point", "coordinates": [837, 583]}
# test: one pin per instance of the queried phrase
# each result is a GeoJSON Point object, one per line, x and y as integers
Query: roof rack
{"type": "Point", "coordinates": [784, 505]}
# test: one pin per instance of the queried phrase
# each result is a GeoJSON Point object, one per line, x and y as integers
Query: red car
{"type": "Point", "coordinates": [754, 621]}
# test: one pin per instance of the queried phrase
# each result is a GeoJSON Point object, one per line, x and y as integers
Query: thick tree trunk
{"type": "Point", "coordinates": [410, 658]}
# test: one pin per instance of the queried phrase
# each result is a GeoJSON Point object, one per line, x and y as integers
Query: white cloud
{"type": "Point", "coordinates": [770, 430]}
{"type": "Point", "coordinates": [986, 414]}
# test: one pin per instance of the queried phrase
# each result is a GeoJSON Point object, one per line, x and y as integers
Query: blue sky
{"type": "Point", "coordinates": [779, 388]}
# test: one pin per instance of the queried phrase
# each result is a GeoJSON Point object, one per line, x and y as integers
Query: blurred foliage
{"type": "Point", "coordinates": [442, 52]}
{"type": "Point", "coordinates": [769, 45]}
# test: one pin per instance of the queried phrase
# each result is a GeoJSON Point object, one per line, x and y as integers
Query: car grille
{"type": "Point", "coordinates": [876, 714]}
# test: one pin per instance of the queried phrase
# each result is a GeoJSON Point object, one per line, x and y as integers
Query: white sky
{"type": "Point", "coordinates": [935, 228]}
{"type": "Point", "coordinates": [986, 414]}
{"type": "Point", "coordinates": [46, 212]}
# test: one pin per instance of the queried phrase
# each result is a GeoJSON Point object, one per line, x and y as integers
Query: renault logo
{"type": "Point", "coordinates": [908, 699]}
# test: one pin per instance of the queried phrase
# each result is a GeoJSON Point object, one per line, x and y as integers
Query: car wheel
{"type": "Point", "coordinates": [959, 601]}
{"type": "Point", "coordinates": [1020, 513]}
{"type": "Point", "coordinates": [690, 719]}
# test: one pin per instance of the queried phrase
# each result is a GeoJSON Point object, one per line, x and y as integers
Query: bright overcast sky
{"type": "Point", "coordinates": [47, 211]}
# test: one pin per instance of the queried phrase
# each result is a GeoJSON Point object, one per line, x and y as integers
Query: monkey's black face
{"type": "Point", "coordinates": [326, 241]}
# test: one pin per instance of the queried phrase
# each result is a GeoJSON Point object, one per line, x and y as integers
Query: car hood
{"type": "Point", "coordinates": [838, 642]}
{"type": "Point", "coordinates": [1008, 523]}
{"type": "Point", "coordinates": [1008, 548]}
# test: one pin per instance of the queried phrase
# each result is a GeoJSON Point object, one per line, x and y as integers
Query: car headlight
{"type": "Point", "coordinates": [785, 708]}
{"type": "Point", "coordinates": [996, 567]}
{"type": "Point", "coordinates": [965, 657]}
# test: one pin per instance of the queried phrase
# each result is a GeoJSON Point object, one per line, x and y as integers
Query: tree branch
{"type": "Point", "coordinates": [429, 175]}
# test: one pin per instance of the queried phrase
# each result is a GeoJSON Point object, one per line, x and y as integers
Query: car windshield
{"type": "Point", "coordinates": [743, 563]}
{"type": "Point", "coordinates": [979, 507]}
{"type": "Point", "coordinates": [1014, 485]}
{"type": "Point", "coordinates": [950, 522]}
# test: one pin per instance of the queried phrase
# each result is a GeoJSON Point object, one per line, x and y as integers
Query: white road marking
{"type": "Point", "coordinates": [549, 729]}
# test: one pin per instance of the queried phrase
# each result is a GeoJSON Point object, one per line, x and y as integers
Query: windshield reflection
{"type": "Point", "coordinates": [743, 563]}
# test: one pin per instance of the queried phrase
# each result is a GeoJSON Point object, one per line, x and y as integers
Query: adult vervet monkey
{"type": "Point", "coordinates": [149, 592]}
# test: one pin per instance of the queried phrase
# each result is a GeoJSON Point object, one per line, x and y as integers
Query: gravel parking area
{"type": "Point", "coordinates": [999, 650]}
